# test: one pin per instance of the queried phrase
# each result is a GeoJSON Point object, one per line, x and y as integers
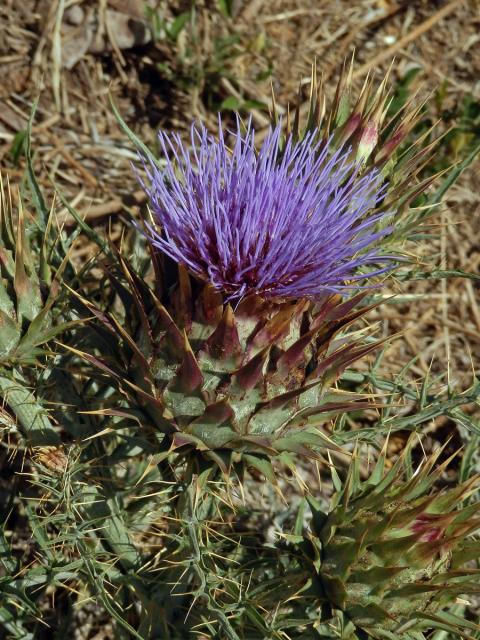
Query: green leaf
{"type": "Point", "coordinates": [299, 520]}
{"type": "Point", "coordinates": [17, 146]}
{"type": "Point", "coordinates": [450, 622]}
{"type": "Point", "coordinates": [32, 417]}
{"type": "Point", "coordinates": [89, 232]}
{"type": "Point", "coordinates": [37, 197]}
{"type": "Point", "coordinates": [40, 335]}
{"type": "Point", "coordinates": [453, 176]}
{"type": "Point", "coordinates": [263, 465]}
{"type": "Point", "coordinates": [225, 7]}
{"type": "Point", "coordinates": [145, 151]}
{"type": "Point", "coordinates": [9, 334]}
{"type": "Point", "coordinates": [173, 30]}
{"type": "Point", "coordinates": [231, 103]}
{"type": "Point", "coordinates": [335, 590]}
{"type": "Point", "coordinates": [212, 438]}
{"type": "Point", "coordinates": [7, 559]}
{"type": "Point", "coordinates": [247, 105]}
{"type": "Point", "coordinates": [438, 274]}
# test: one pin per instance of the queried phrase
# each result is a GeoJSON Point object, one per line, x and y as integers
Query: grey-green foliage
{"type": "Point", "coordinates": [106, 524]}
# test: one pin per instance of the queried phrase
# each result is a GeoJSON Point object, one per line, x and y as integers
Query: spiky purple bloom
{"type": "Point", "coordinates": [296, 221]}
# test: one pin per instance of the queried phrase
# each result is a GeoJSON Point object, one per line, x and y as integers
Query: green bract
{"type": "Point", "coordinates": [392, 551]}
{"type": "Point", "coordinates": [254, 381]}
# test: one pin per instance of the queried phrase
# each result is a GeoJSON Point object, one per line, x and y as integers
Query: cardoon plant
{"type": "Point", "coordinates": [201, 353]}
{"type": "Point", "coordinates": [238, 351]}
{"type": "Point", "coordinates": [383, 558]}
{"type": "Point", "coordinates": [262, 255]}
{"type": "Point", "coordinates": [389, 554]}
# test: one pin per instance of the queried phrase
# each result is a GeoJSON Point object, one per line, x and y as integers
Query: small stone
{"type": "Point", "coordinates": [75, 44]}
{"type": "Point", "coordinates": [75, 15]}
{"type": "Point", "coordinates": [135, 8]}
{"type": "Point", "coordinates": [128, 32]}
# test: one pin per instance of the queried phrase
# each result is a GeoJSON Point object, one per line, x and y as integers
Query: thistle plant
{"type": "Point", "coordinates": [388, 555]}
{"type": "Point", "coordinates": [30, 315]}
{"type": "Point", "coordinates": [211, 348]}
{"type": "Point", "coordinates": [261, 258]}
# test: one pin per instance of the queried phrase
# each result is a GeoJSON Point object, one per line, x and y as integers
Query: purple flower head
{"type": "Point", "coordinates": [296, 220]}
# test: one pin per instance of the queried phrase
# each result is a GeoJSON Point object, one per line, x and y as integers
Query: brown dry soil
{"type": "Point", "coordinates": [74, 54]}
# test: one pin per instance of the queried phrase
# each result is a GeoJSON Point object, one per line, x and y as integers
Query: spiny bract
{"type": "Point", "coordinates": [254, 379]}
{"type": "Point", "coordinates": [390, 552]}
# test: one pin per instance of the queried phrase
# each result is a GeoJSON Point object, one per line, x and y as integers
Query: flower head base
{"type": "Point", "coordinates": [431, 527]}
{"type": "Point", "coordinates": [292, 220]}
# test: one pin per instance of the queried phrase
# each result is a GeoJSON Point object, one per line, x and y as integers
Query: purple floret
{"type": "Point", "coordinates": [293, 222]}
